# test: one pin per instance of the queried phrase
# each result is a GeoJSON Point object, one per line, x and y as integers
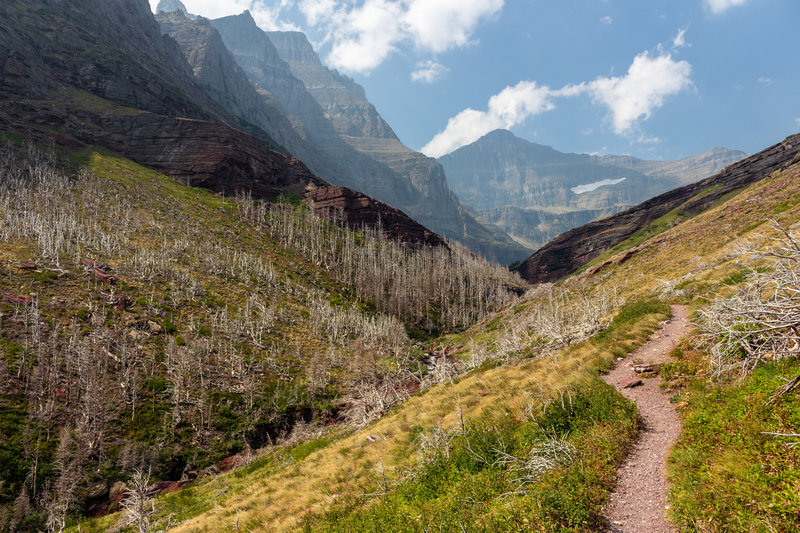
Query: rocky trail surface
{"type": "Point", "coordinates": [638, 504]}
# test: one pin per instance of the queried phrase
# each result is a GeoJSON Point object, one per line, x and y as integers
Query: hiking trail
{"type": "Point", "coordinates": [639, 501]}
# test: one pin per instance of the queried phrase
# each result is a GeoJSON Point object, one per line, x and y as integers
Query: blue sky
{"type": "Point", "coordinates": [658, 79]}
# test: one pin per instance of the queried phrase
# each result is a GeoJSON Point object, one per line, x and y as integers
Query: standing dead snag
{"type": "Point", "coordinates": [139, 507]}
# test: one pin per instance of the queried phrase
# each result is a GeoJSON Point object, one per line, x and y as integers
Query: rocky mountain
{"type": "Point", "coordinates": [358, 149]}
{"type": "Point", "coordinates": [338, 162]}
{"type": "Point", "coordinates": [221, 77]}
{"type": "Point", "coordinates": [573, 249]}
{"type": "Point", "coordinates": [535, 192]}
{"type": "Point", "coordinates": [109, 78]}
{"type": "Point", "coordinates": [188, 111]}
{"type": "Point", "coordinates": [359, 124]}
{"type": "Point", "coordinates": [112, 49]}
{"type": "Point", "coordinates": [171, 6]}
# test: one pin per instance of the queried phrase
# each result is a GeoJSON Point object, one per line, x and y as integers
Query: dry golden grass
{"type": "Point", "coordinates": [279, 501]}
{"type": "Point", "coordinates": [687, 261]}
{"type": "Point", "coordinates": [701, 252]}
{"type": "Point", "coordinates": [704, 250]}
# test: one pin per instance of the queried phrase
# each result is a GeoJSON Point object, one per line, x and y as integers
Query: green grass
{"type": "Point", "coordinates": [727, 473]}
{"type": "Point", "coordinates": [468, 486]}
{"type": "Point", "coordinates": [736, 278]}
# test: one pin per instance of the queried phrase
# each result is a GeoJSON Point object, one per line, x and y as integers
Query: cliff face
{"type": "Point", "coordinates": [356, 121]}
{"type": "Point", "coordinates": [337, 161]}
{"type": "Point", "coordinates": [221, 77]}
{"type": "Point", "coordinates": [567, 253]}
{"type": "Point", "coordinates": [188, 134]}
{"type": "Point", "coordinates": [360, 210]}
{"type": "Point", "coordinates": [109, 78]}
{"type": "Point", "coordinates": [342, 100]}
{"type": "Point", "coordinates": [506, 179]}
{"type": "Point", "coordinates": [111, 48]}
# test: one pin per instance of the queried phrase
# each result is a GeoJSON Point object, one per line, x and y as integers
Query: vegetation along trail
{"type": "Point", "coordinates": [638, 503]}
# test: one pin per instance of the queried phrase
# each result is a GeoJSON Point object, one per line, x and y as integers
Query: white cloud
{"type": "Point", "coordinates": [269, 18]}
{"type": "Point", "coordinates": [212, 8]}
{"type": "Point", "coordinates": [679, 41]}
{"type": "Point", "coordinates": [429, 71]}
{"type": "Point", "coordinates": [606, 20]}
{"type": "Point", "coordinates": [766, 82]}
{"type": "Point", "coordinates": [440, 25]}
{"type": "Point", "coordinates": [509, 107]}
{"type": "Point", "coordinates": [630, 98]}
{"type": "Point", "coordinates": [364, 33]}
{"type": "Point", "coordinates": [365, 36]}
{"type": "Point", "coordinates": [718, 6]}
{"type": "Point", "coordinates": [642, 90]}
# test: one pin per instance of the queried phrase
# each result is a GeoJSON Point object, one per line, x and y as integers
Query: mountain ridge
{"type": "Point", "coordinates": [575, 248]}
{"type": "Point", "coordinates": [517, 184]}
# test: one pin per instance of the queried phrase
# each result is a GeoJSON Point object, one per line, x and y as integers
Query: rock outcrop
{"type": "Point", "coordinates": [359, 210]}
{"type": "Point", "coordinates": [568, 252]}
{"type": "Point", "coordinates": [507, 179]}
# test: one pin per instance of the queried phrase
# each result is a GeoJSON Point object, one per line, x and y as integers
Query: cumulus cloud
{"type": "Point", "coordinates": [365, 36]}
{"type": "Point", "coordinates": [428, 71]}
{"type": "Point", "coordinates": [440, 25]}
{"type": "Point", "coordinates": [510, 107]}
{"type": "Point", "coordinates": [211, 8]}
{"type": "Point", "coordinates": [642, 90]}
{"type": "Point", "coordinates": [629, 98]}
{"type": "Point", "coordinates": [719, 6]}
{"type": "Point", "coordinates": [766, 82]}
{"type": "Point", "coordinates": [606, 20]}
{"type": "Point", "coordinates": [364, 33]}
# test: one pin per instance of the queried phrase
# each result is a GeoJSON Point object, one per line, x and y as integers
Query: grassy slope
{"type": "Point", "coordinates": [191, 270]}
{"type": "Point", "coordinates": [726, 473]}
{"type": "Point", "coordinates": [225, 323]}
{"type": "Point", "coordinates": [179, 299]}
{"type": "Point", "coordinates": [277, 494]}
{"type": "Point", "coordinates": [691, 259]}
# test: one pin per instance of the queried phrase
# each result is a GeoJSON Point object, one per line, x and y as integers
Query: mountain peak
{"type": "Point", "coordinates": [170, 6]}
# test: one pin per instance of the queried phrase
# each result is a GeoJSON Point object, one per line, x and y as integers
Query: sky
{"type": "Point", "coordinates": [659, 79]}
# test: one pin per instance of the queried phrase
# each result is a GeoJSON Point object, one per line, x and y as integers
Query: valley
{"type": "Point", "coordinates": [232, 299]}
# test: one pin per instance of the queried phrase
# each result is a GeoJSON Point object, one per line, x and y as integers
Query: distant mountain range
{"type": "Point", "coordinates": [625, 231]}
{"type": "Point", "coordinates": [535, 193]}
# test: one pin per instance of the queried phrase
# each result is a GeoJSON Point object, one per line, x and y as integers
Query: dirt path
{"type": "Point", "coordinates": [638, 504]}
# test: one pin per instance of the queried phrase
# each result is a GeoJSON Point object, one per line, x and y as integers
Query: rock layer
{"type": "Point", "coordinates": [360, 210]}
{"type": "Point", "coordinates": [360, 151]}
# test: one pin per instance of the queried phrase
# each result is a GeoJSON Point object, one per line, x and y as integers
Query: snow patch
{"type": "Point", "coordinates": [589, 187]}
